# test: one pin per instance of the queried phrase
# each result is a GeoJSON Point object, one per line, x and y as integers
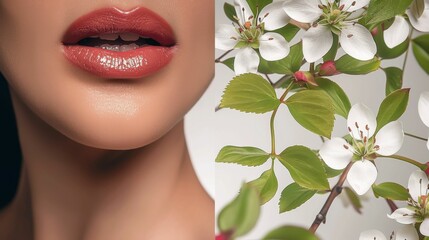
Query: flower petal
{"type": "Point", "coordinates": [423, 107]}
{"type": "Point", "coordinates": [424, 228]}
{"type": "Point", "coordinates": [361, 176]}
{"type": "Point", "coordinates": [306, 11]}
{"type": "Point", "coordinates": [371, 235]}
{"type": "Point", "coordinates": [316, 42]}
{"type": "Point", "coordinates": [397, 33]}
{"type": "Point", "coordinates": [357, 41]}
{"type": "Point", "coordinates": [246, 60]}
{"type": "Point", "coordinates": [353, 5]}
{"type": "Point", "coordinates": [417, 184]}
{"type": "Point", "coordinates": [421, 23]}
{"type": "Point", "coordinates": [407, 232]}
{"type": "Point", "coordinates": [361, 116]}
{"type": "Point", "coordinates": [276, 18]}
{"type": "Point", "coordinates": [242, 10]}
{"type": "Point", "coordinates": [334, 153]}
{"type": "Point", "coordinates": [226, 37]}
{"type": "Point", "coordinates": [273, 46]}
{"type": "Point", "coordinates": [403, 215]}
{"type": "Point", "coordinates": [390, 138]}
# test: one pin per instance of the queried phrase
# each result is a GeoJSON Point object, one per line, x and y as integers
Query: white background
{"type": "Point", "coordinates": [208, 131]}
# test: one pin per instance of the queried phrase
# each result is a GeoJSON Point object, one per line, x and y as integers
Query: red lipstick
{"type": "Point", "coordinates": [116, 44]}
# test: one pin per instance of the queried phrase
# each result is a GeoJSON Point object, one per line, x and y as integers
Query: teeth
{"type": "Point", "coordinates": [124, 48]}
{"type": "Point", "coordinates": [130, 37]}
{"type": "Point", "coordinates": [119, 48]}
{"type": "Point", "coordinates": [109, 36]}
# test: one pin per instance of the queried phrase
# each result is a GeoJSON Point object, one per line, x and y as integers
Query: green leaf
{"type": "Point", "coordinates": [383, 51]}
{"type": "Point", "coordinates": [288, 32]}
{"type": "Point", "coordinates": [229, 11]}
{"type": "Point", "coordinates": [250, 93]}
{"type": "Point", "coordinates": [266, 185]}
{"type": "Point", "coordinates": [392, 107]}
{"type": "Point", "coordinates": [380, 10]}
{"type": "Point", "coordinates": [229, 63]}
{"type": "Point", "coordinates": [257, 5]}
{"type": "Point", "coordinates": [246, 156]}
{"type": "Point", "coordinates": [354, 199]}
{"type": "Point", "coordinates": [290, 233]}
{"type": "Point", "coordinates": [393, 79]}
{"type": "Point", "coordinates": [339, 98]}
{"type": "Point", "coordinates": [294, 196]}
{"type": "Point", "coordinates": [390, 190]}
{"type": "Point", "coordinates": [314, 110]}
{"type": "Point", "coordinates": [421, 51]}
{"type": "Point", "coordinates": [349, 65]}
{"type": "Point", "coordinates": [332, 53]}
{"type": "Point", "coordinates": [305, 167]}
{"type": "Point", "coordinates": [240, 215]}
{"type": "Point", "coordinates": [287, 65]}
{"type": "Point", "coordinates": [330, 172]}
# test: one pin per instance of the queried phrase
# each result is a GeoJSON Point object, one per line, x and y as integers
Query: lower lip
{"type": "Point", "coordinates": [137, 63]}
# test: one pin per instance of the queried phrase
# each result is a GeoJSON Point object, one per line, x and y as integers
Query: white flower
{"type": "Point", "coordinates": [361, 122]}
{"type": "Point", "coordinates": [407, 232]}
{"type": "Point", "coordinates": [249, 34]}
{"type": "Point", "coordinates": [420, 23]}
{"type": "Point", "coordinates": [398, 32]}
{"type": "Point", "coordinates": [417, 210]}
{"type": "Point", "coordinates": [327, 17]}
{"type": "Point", "coordinates": [423, 107]}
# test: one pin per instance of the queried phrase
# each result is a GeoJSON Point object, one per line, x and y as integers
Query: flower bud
{"type": "Point", "coordinates": [374, 31]}
{"type": "Point", "coordinates": [221, 236]}
{"type": "Point", "coordinates": [328, 68]}
{"type": "Point", "coordinates": [304, 77]}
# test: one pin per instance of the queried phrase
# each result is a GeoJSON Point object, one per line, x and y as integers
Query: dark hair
{"type": "Point", "coordinates": [11, 156]}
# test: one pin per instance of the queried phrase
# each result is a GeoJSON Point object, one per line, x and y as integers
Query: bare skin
{"type": "Point", "coordinates": [104, 159]}
{"type": "Point", "coordinates": [146, 193]}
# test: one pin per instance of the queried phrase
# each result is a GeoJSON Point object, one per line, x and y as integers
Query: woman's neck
{"type": "Point", "coordinates": [69, 191]}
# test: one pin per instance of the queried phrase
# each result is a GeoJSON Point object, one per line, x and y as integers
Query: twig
{"type": "Point", "coordinates": [269, 79]}
{"type": "Point", "coordinates": [392, 205]}
{"type": "Point", "coordinates": [219, 59]}
{"type": "Point", "coordinates": [416, 137]}
{"type": "Point", "coordinates": [336, 190]}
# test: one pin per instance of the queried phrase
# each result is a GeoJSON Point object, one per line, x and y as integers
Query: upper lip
{"type": "Point", "coordinates": [113, 20]}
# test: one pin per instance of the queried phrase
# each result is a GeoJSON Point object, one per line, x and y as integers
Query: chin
{"type": "Point", "coordinates": [115, 130]}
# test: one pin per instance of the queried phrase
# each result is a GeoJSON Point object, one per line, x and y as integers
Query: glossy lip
{"type": "Point", "coordinates": [136, 63]}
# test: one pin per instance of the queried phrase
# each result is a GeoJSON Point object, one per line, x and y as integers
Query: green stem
{"type": "Point", "coordinates": [312, 68]}
{"type": "Point", "coordinates": [415, 136]}
{"type": "Point", "coordinates": [273, 116]}
{"type": "Point", "coordinates": [404, 64]}
{"type": "Point", "coordinates": [422, 166]}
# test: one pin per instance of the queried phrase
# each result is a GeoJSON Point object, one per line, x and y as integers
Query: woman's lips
{"type": "Point", "coordinates": [104, 42]}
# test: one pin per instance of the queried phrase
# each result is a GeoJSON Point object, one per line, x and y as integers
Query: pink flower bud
{"type": "Point", "coordinates": [221, 236]}
{"type": "Point", "coordinates": [328, 68]}
{"type": "Point", "coordinates": [374, 31]}
{"type": "Point", "coordinates": [304, 77]}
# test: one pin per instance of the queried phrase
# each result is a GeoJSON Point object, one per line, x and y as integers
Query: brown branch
{"type": "Point", "coordinates": [219, 59]}
{"type": "Point", "coordinates": [392, 205]}
{"type": "Point", "coordinates": [336, 190]}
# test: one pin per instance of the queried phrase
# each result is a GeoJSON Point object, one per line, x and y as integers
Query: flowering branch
{"type": "Point", "coordinates": [336, 190]}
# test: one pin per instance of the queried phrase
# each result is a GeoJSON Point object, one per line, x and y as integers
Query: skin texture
{"type": "Point", "coordinates": [104, 159]}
